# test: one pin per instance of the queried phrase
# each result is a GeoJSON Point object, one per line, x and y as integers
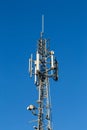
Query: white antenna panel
{"type": "Point", "coordinates": [30, 65]}
{"type": "Point", "coordinates": [52, 59]}
{"type": "Point", "coordinates": [37, 61]}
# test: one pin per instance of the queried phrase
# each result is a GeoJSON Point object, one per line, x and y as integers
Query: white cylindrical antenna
{"type": "Point", "coordinates": [37, 61]}
{"type": "Point", "coordinates": [52, 59]}
{"type": "Point", "coordinates": [52, 65]}
{"type": "Point", "coordinates": [35, 78]}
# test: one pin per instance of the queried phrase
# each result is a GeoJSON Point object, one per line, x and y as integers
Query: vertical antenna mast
{"type": "Point", "coordinates": [42, 23]}
{"type": "Point", "coordinates": [42, 32]}
{"type": "Point", "coordinates": [43, 68]}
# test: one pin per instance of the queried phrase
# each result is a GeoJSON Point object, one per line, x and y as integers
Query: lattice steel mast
{"type": "Point", "coordinates": [44, 67]}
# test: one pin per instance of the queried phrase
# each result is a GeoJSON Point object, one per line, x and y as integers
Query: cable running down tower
{"type": "Point", "coordinates": [43, 68]}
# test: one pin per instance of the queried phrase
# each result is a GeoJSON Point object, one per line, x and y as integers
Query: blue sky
{"type": "Point", "coordinates": [66, 26]}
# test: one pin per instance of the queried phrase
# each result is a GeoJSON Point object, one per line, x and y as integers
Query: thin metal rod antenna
{"type": "Point", "coordinates": [42, 24]}
{"type": "Point", "coordinates": [42, 31]}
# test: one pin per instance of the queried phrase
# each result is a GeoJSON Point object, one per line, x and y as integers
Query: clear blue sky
{"type": "Point", "coordinates": [66, 26]}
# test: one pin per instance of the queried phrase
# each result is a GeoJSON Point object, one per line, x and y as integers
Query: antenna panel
{"type": "Point", "coordinates": [30, 65]}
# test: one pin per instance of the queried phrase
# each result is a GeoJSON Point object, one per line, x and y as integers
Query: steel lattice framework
{"type": "Point", "coordinates": [44, 67]}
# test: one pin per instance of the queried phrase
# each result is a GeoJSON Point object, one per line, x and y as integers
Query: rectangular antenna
{"type": "Point", "coordinates": [42, 23]}
{"type": "Point", "coordinates": [30, 65]}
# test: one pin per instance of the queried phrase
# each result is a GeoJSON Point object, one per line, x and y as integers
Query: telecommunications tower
{"type": "Point", "coordinates": [44, 67]}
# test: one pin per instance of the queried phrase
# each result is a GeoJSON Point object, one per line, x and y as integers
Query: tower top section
{"type": "Point", "coordinates": [45, 66]}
